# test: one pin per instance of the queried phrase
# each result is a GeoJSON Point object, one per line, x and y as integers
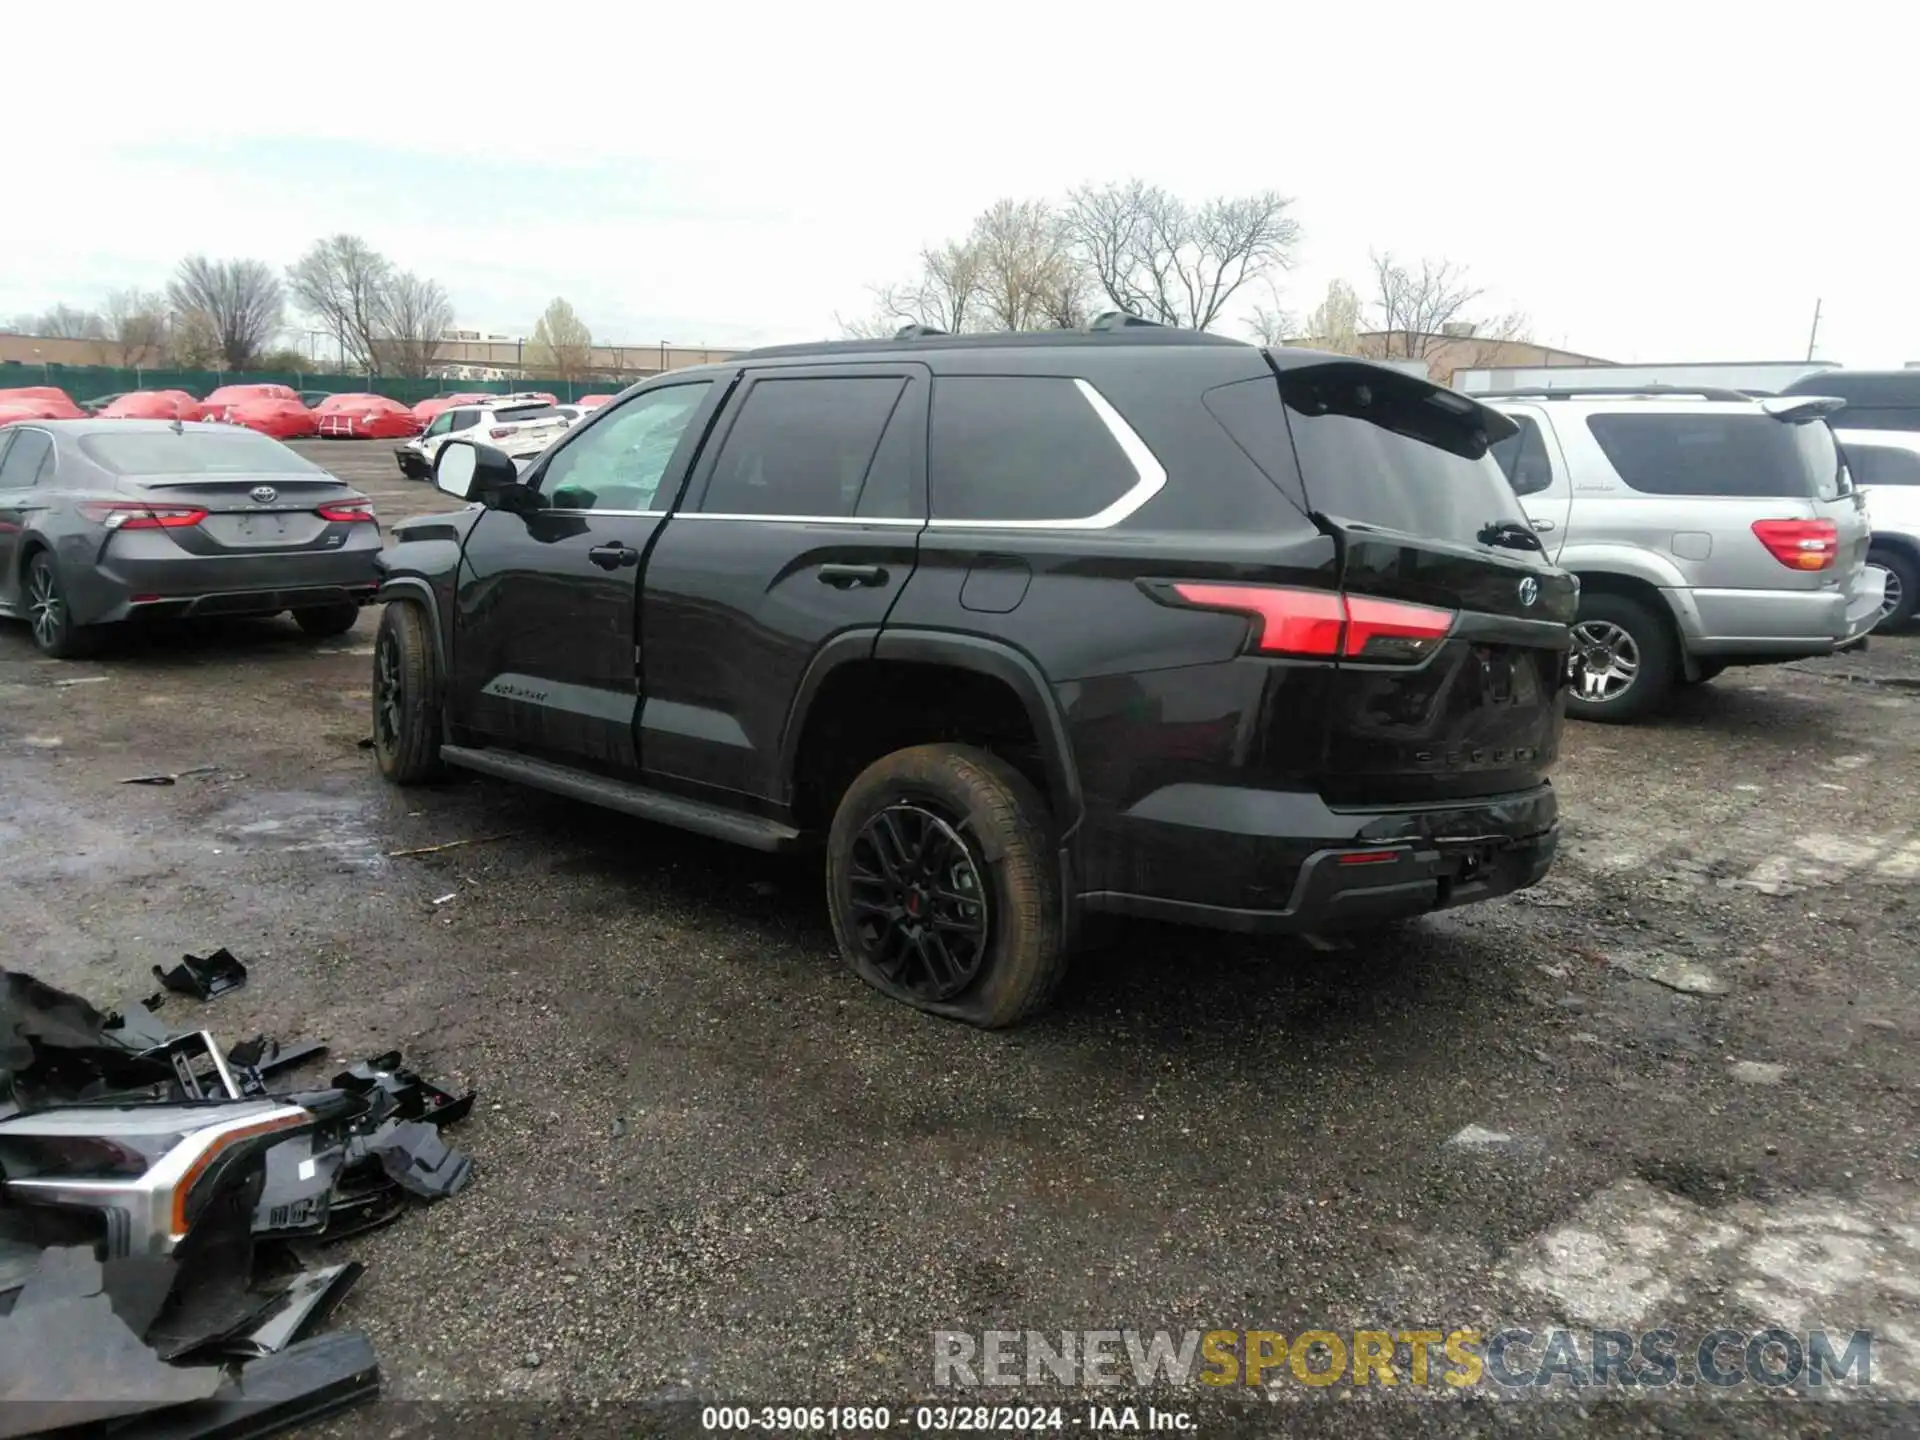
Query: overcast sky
{"type": "Point", "coordinates": [1679, 181]}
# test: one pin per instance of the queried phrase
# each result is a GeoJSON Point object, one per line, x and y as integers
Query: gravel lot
{"type": "Point", "coordinates": [714, 1166]}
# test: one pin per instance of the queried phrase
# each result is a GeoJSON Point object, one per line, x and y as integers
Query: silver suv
{"type": "Point", "coordinates": [1709, 528]}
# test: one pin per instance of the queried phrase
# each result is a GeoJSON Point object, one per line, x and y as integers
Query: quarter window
{"type": "Point", "coordinates": [802, 446]}
{"type": "Point", "coordinates": [1021, 448]}
{"type": "Point", "coordinates": [618, 464]}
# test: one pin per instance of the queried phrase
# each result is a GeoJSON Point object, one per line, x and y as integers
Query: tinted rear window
{"type": "Point", "coordinates": [1882, 465]}
{"type": "Point", "coordinates": [193, 450]}
{"type": "Point", "coordinates": [528, 412]}
{"type": "Point", "coordinates": [1021, 448]}
{"type": "Point", "coordinates": [1376, 448]}
{"type": "Point", "coordinates": [1751, 455]}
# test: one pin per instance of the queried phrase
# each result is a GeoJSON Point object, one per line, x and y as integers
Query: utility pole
{"type": "Point", "coordinates": [1814, 333]}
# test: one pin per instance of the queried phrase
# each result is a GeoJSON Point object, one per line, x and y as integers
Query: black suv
{"type": "Point", "coordinates": [1025, 628]}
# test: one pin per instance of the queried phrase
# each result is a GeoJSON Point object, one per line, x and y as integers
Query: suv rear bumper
{"type": "Point", "coordinates": [1781, 623]}
{"type": "Point", "coordinates": [1274, 862]}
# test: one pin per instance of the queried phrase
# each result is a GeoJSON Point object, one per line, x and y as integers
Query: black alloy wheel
{"type": "Point", "coordinates": [918, 901]}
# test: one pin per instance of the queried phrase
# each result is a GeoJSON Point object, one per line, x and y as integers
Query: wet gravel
{"type": "Point", "coordinates": [714, 1167]}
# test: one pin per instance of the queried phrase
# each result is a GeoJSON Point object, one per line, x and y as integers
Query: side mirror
{"type": "Point", "coordinates": [468, 471]}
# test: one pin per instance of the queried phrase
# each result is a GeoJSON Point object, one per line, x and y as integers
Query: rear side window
{"type": "Point", "coordinates": [25, 459]}
{"type": "Point", "coordinates": [1376, 448]}
{"type": "Point", "coordinates": [1523, 458]}
{"type": "Point", "coordinates": [1883, 465]}
{"type": "Point", "coordinates": [802, 446]}
{"type": "Point", "coordinates": [1021, 448]}
{"type": "Point", "coordinates": [464, 419]}
{"type": "Point", "coordinates": [1750, 455]}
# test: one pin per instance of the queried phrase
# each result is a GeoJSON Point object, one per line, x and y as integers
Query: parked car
{"type": "Point", "coordinates": [99, 403]}
{"type": "Point", "coordinates": [154, 405]}
{"type": "Point", "coordinates": [1708, 528]}
{"type": "Point", "coordinates": [279, 418]}
{"type": "Point", "coordinates": [48, 402]}
{"type": "Point", "coordinates": [242, 394]}
{"type": "Point", "coordinates": [1885, 465]}
{"type": "Point", "coordinates": [365, 417]}
{"type": "Point", "coordinates": [522, 428]}
{"type": "Point", "coordinates": [1020, 629]}
{"type": "Point", "coordinates": [592, 402]}
{"type": "Point", "coordinates": [428, 410]}
{"type": "Point", "coordinates": [108, 520]}
{"type": "Point", "coordinates": [1876, 399]}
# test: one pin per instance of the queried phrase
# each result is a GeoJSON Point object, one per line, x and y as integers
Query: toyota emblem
{"type": "Point", "coordinates": [266, 495]}
{"type": "Point", "coordinates": [1529, 587]}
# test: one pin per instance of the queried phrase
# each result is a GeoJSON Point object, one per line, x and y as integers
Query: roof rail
{"type": "Point", "coordinates": [916, 332]}
{"type": "Point", "coordinates": [1579, 392]}
{"type": "Point", "coordinates": [1121, 320]}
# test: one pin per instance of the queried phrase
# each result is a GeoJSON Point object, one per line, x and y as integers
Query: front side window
{"type": "Point", "coordinates": [29, 453]}
{"type": "Point", "coordinates": [1523, 456]}
{"type": "Point", "coordinates": [1026, 448]}
{"type": "Point", "coordinates": [802, 446]}
{"type": "Point", "coordinates": [618, 464]}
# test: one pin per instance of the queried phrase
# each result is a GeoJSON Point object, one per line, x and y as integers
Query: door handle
{"type": "Point", "coordinates": [845, 577]}
{"type": "Point", "coordinates": [614, 557]}
{"type": "Point", "coordinates": [1543, 525]}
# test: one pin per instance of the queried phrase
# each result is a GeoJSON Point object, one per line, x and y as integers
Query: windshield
{"type": "Point", "coordinates": [193, 450]}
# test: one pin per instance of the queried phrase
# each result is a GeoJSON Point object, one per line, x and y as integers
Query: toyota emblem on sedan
{"type": "Point", "coordinates": [266, 495]}
{"type": "Point", "coordinates": [1529, 587]}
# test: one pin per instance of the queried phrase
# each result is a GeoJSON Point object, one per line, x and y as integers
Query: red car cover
{"type": "Point", "coordinates": [427, 410]}
{"type": "Point", "coordinates": [235, 394]}
{"type": "Point", "coordinates": [155, 405]}
{"type": "Point", "coordinates": [365, 417]}
{"type": "Point", "coordinates": [592, 402]}
{"type": "Point", "coordinates": [49, 403]}
{"type": "Point", "coordinates": [282, 419]}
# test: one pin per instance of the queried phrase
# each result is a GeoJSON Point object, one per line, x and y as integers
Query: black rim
{"type": "Point", "coordinates": [917, 900]}
{"type": "Point", "coordinates": [386, 692]}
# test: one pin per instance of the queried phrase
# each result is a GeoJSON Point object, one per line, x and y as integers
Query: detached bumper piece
{"type": "Point", "coordinates": [155, 1189]}
{"type": "Point", "coordinates": [204, 977]}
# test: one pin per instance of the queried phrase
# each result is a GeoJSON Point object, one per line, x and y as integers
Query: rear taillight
{"type": "Point", "coordinates": [347, 510]}
{"type": "Point", "coordinates": [1800, 544]}
{"type": "Point", "coordinates": [500, 432]}
{"type": "Point", "coordinates": [1324, 624]}
{"type": "Point", "coordinates": [117, 516]}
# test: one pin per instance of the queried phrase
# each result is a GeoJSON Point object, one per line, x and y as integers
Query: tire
{"type": "Point", "coordinates": [1901, 570]}
{"type": "Point", "coordinates": [49, 620]}
{"type": "Point", "coordinates": [986, 830]}
{"type": "Point", "coordinates": [1614, 628]}
{"type": "Point", "coordinates": [406, 701]}
{"type": "Point", "coordinates": [326, 620]}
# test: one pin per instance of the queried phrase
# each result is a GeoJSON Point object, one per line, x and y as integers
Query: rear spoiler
{"type": "Point", "coordinates": [1798, 409]}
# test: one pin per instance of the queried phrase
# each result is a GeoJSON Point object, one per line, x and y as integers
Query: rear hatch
{"type": "Point", "coordinates": [525, 430]}
{"type": "Point", "coordinates": [1450, 681]}
{"type": "Point", "coordinates": [219, 490]}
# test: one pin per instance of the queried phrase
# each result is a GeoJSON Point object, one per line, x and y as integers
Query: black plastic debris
{"type": "Point", "coordinates": [255, 1061]}
{"type": "Point", "coordinates": [204, 976]}
{"type": "Point", "coordinates": [300, 1309]}
{"type": "Point", "coordinates": [418, 1160]}
{"type": "Point", "coordinates": [403, 1095]}
{"type": "Point", "coordinates": [303, 1383]}
{"type": "Point", "coordinates": [55, 1046]}
{"type": "Point", "coordinates": [168, 777]}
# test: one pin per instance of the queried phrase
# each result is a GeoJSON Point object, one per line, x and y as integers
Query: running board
{"type": "Point", "coordinates": [754, 831]}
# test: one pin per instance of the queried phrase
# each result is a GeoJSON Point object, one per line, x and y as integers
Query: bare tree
{"type": "Point", "coordinates": [1024, 266]}
{"type": "Point", "coordinates": [136, 326]}
{"type": "Point", "coordinates": [417, 318]}
{"type": "Point", "coordinates": [1415, 307]}
{"type": "Point", "coordinates": [1156, 256]}
{"type": "Point", "coordinates": [944, 296]}
{"type": "Point", "coordinates": [343, 283]}
{"type": "Point", "coordinates": [561, 346]}
{"type": "Point", "coordinates": [65, 322]}
{"type": "Point", "coordinates": [238, 301]}
{"type": "Point", "coordinates": [1334, 323]}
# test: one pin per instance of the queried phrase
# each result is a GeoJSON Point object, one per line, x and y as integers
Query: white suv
{"type": "Point", "coordinates": [521, 427]}
{"type": "Point", "coordinates": [1886, 469]}
{"type": "Point", "coordinates": [1708, 528]}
